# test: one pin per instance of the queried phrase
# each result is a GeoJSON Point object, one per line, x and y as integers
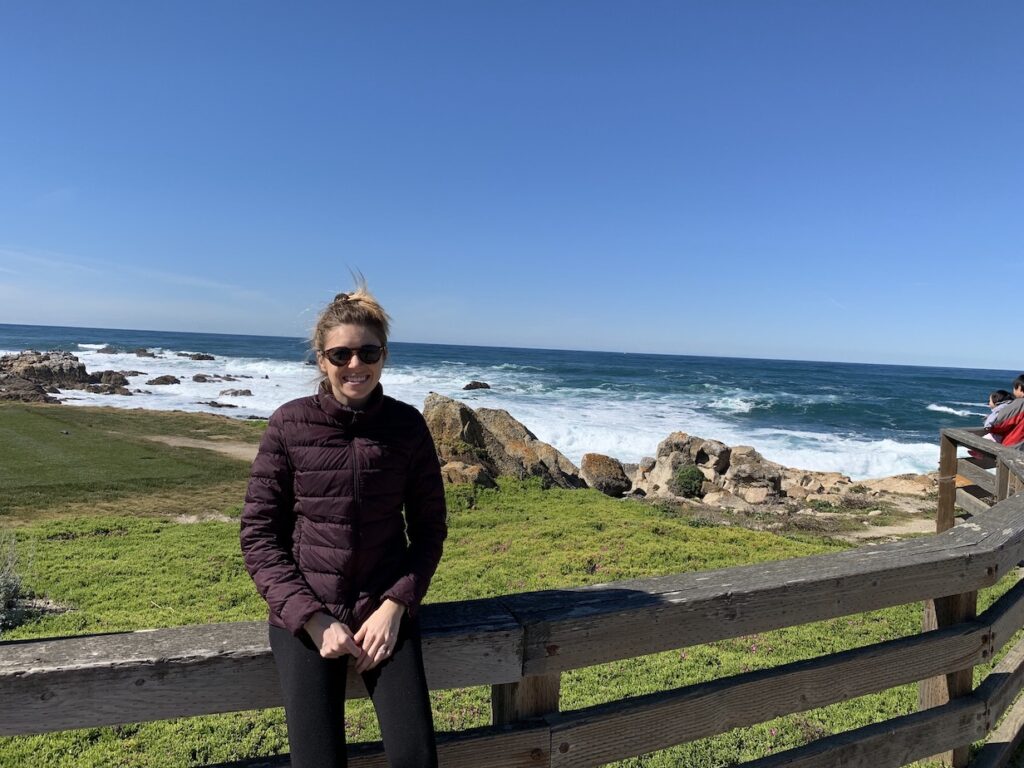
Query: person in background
{"type": "Point", "coordinates": [1008, 424]}
{"type": "Point", "coordinates": [342, 531]}
{"type": "Point", "coordinates": [997, 401]}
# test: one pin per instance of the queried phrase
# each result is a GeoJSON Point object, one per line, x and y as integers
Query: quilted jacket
{"type": "Point", "coordinates": [344, 508]}
{"type": "Point", "coordinates": [1009, 423]}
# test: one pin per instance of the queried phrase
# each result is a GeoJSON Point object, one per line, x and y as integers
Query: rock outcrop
{"type": "Point", "coordinates": [734, 477]}
{"type": "Point", "coordinates": [18, 389]}
{"type": "Point", "coordinates": [477, 385]}
{"type": "Point", "coordinates": [53, 371]}
{"type": "Point", "coordinates": [162, 380]}
{"type": "Point", "coordinates": [492, 439]}
{"type": "Point", "coordinates": [605, 474]}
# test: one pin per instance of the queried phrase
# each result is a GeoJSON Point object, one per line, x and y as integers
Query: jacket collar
{"type": "Point", "coordinates": [346, 415]}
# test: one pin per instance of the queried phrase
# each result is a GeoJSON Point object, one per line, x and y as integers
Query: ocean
{"type": "Point", "coordinates": [862, 420]}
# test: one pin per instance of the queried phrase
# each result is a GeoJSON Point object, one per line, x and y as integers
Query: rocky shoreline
{"type": "Point", "coordinates": [477, 446]}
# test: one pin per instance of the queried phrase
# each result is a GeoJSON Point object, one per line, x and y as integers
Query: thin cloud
{"type": "Point", "coordinates": [833, 300]}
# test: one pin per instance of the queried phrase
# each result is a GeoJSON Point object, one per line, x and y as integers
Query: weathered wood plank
{"type": "Point", "coordinates": [1004, 741]}
{"type": "Point", "coordinates": [49, 685]}
{"type": "Point", "coordinates": [980, 477]}
{"type": "Point", "coordinates": [945, 516]}
{"type": "Point", "coordinates": [522, 745]}
{"type": "Point", "coordinates": [974, 439]}
{"type": "Point", "coordinates": [1003, 683]}
{"type": "Point", "coordinates": [570, 628]}
{"type": "Point", "coordinates": [630, 727]}
{"type": "Point", "coordinates": [971, 502]}
{"type": "Point", "coordinates": [891, 743]}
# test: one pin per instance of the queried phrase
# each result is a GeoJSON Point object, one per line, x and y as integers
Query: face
{"type": "Point", "coordinates": [353, 383]}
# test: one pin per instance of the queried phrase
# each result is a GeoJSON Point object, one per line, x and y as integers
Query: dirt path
{"type": "Point", "coordinates": [236, 450]}
{"type": "Point", "coordinates": [917, 525]}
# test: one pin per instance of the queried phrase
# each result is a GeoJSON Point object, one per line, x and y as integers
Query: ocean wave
{"type": "Point", "coordinates": [953, 411]}
{"type": "Point", "coordinates": [515, 367]}
{"type": "Point", "coordinates": [733, 404]}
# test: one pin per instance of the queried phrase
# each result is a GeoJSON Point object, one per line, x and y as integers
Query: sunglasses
{"type": "Point", "coordinates": [369, 354]}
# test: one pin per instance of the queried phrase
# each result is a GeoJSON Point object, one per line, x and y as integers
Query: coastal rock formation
{"type": "Point", "coordinates": [143, 352]}
{"type": "Point", "coordinates": [457, 473]}
{"type": "Point", "coordinates": [235, 393]}
{"type": "Point", "coordinates": [477, 385]}
{"type": "Point", "coordinates": [57, 370]}
{"type": "Point", "coordinates": [494, 440]}
{"type": "Point", "coordinates": [196, 356]}
{"type": "Point", "coordinates": [18, 389]}
{"type": "Point", "coordinates": [734, 477]}
{"type": "Point", "coordinates": [605, 474]}
{"type": "Point", "coordinates": [517, 451]}
{"type": "Point", "coordinates": [166, 379]}
{"type": "Point", "coordinates": [457, 433]}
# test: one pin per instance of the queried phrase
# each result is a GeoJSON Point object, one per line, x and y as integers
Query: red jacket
{"type": "Point", "coordinates": [1010, 423]}
{"type": "Point", "coordinates": [343, 509]}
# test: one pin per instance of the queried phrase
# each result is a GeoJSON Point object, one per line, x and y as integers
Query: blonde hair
{"type": "Point", "coordinates": [357, 308]}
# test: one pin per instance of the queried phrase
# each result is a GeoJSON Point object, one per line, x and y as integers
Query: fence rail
{"type": "Point", "coordinates": [520, 644]}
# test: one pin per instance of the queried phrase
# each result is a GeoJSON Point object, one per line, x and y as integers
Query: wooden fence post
{"type": "Point", "coordinates": [946, 611]}
{"type": "Point", "coordinates": [533, 696]}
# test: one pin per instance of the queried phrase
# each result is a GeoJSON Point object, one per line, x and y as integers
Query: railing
{"type": "Point", "coordinates": [520, 644]}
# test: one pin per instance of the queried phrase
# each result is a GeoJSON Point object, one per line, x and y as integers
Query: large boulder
{"type": "Point", "coordinates": [751, 476]}
{"type": "Point", "coordinates": [605, 474]}
{"type": "Point", "coordinates": [57, 369]}
{"type": "Point", "coordinates": [496, 441]}
{"type": "Point", "coordinates": [904, 485]}
{"type": "Point", "coordinates": [458, 435]}
{"type": "Point", "coordinates": [516, 451]}
{"type": "Point", "coordinates": [163, 380]}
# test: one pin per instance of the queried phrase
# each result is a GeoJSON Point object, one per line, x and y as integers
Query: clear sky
{"type": "Point", "coordinates": [815, 180]}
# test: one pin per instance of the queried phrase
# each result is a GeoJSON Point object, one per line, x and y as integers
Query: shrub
{"type": "Point", "coordinates": [10, 583]}
{"type": "Point", "coordinates": [688, 482]}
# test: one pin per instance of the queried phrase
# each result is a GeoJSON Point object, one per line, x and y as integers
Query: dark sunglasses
{"type": "Point", "coordinates": [369, 354]}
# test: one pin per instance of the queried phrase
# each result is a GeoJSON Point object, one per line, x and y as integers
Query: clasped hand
{"type": "Point", "coordinates": [369, 646]}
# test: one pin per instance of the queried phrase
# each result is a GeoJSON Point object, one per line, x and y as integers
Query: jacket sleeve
{"type": "Point", "coordinates": [268, 522]}
{"type": "Point", "coordinates": [426, 524]}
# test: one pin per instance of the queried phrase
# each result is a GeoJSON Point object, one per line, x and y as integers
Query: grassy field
{"type": "Point", "coordinates": [96, 517]}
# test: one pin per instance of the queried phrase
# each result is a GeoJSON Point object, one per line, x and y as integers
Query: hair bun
{"type": "Point", "coordinates": [341, 298]}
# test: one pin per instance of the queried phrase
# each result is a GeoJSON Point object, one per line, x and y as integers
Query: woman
{"type": "Point", "coordinates": [342, 530]}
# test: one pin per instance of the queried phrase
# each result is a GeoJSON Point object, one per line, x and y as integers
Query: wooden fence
{"type": "Point", "coordinates": [520, 644]}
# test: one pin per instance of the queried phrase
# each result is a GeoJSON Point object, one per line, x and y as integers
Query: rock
{"type": "Point", "coordinates": [496, 441]}
{"type": "Point", "coordinates": [163, 380]}
{"type": "Point", "coordinates": [108, 389]}
{"type": "Point", "coordinates": [17, 389]}
{"type": "Point", "coordinates": [201, 378]}
{"type": "Point", "coordinates": [752, 477]}
{"type": "Point", "coordinates": [58, 369]}
{"type": "Point", "coordinates": [143, 352]}
{"type": "Point", "coordinates": [516, 451]}
{"type": "Point", "coordinates": [215, 404]}
{"type": "Point", "coordinates": [107, 350]}
{"type": "Point", "coordinates": [235, 393]}
{"type": "Point", "coordinates": [132, 373]}
{"type": "Point", "coordinates": [456, 431]}
{"type": "Point", "coordinates": [725, 500]}
{"type": "Point", "coordinates": [605, 474]}
{"type": "Point", "coordinates": [458, 473]}
{"type": "Point", "coordinates": [905, 485]}
{"type": "Point", "coordinates": [201, 356]}
{"type": "Point", "coordinates": [477, 385]}
{"type": "Point", "coordinates": [111, 378]}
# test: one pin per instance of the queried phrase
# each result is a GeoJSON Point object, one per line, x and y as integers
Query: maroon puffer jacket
{"type": "Point", "coordinates": [323, 529]}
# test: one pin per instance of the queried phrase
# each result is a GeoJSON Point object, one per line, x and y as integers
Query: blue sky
{"type": "Point", "coordinates": [836, 181]}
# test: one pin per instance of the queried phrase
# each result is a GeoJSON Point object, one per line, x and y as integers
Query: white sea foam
{"type": "Point", "coordinates": [612, 420]}
{"type": "Point", "coordinates": [954, 411]}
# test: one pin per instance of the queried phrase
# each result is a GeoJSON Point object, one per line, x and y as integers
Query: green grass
{"type": "Point", "coordinates": [53, 456]}
{"type": "Point", "coordinates": [116, 570]}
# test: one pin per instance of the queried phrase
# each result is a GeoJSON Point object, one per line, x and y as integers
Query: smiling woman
{"type": "Point", "coordinates": [342, 531]}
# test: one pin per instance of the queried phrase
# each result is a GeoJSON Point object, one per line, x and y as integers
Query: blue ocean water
{"type": "Point", "coordinates": [862, 420]}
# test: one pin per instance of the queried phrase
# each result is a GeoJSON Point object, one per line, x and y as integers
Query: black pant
{"type": "Point", "coordinates": [314, 701]}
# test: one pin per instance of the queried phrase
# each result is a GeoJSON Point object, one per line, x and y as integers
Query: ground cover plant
{"type": "Point", "coordinates": [116, 569]}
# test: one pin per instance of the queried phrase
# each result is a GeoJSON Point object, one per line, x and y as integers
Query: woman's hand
{"type": "Point", "coordinates": [378, 635]}
{"type": "Point", "coordinates": [333, 638]}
